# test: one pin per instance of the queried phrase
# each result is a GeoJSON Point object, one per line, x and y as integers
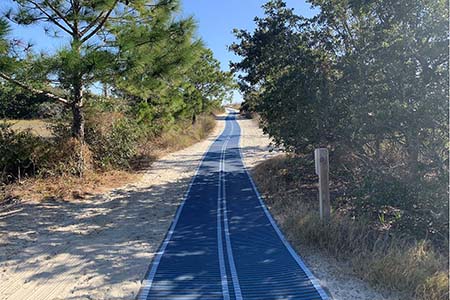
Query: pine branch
{"type": "Point", "coordinates": [60, 15]}
{"type": "Point", "coordinates": [33, 90]}
{"type": "Point", "coordinates": [100, 24]}
{"type": "Point", "coordinates": [50, 17]}
{"type": "Point", "coordinates": [92, 24]}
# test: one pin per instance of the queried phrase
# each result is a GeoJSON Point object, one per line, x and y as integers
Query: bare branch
{"type": "Point", "coordinates": [35, 91]}
{"type": "Point", "coordinates": [50, 17]}
{"type": "Point", "coordinates": [92, 24]}
{"type": "Point", "coordinates": [60, 15]}
{"type": "Point", "coordinates": [100, 25]}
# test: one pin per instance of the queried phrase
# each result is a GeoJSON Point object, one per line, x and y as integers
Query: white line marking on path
{"type": "Point", "coordinates": [223, 272]}
{"type": "Point", "coordinates": [147, 282]}
{"type": "Point", "coordinates": [234, 276]}
{"type": "Point", "coordinates": [294, 254]}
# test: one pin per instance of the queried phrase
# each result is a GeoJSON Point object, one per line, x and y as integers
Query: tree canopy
{"type": "Point", "coordinates": [141, 50]}
{"type": "Point", "coordinates": [368, 80]}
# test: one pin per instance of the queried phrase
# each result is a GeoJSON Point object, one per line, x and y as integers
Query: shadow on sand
{"type": "Point", "coordinates": [98, 248]}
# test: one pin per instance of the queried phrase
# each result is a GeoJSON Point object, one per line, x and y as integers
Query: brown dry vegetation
{"type": "Point", "coordinates": [174, 139]}
{"type": "Point", "coordinates": [68, 187]}
{"type": "Point", "coordinates": [396, 261]}
{"type": "Point", "coordinates": [37, 126]}
{"type": "Point", "coordinates": [186, 134]}
{"type": "Point", "coordinates": [236, 106]}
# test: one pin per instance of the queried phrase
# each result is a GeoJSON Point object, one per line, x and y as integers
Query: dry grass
{"type": "Point", "coordinates": [69, 187]}
{"type": "Point", "coordinates": [409, 267]}
{"type": "Point", "coordinates": [184, 136]}
{"type": "Point", "coordinates": [177, 138]}
{"type": "Point", "coordinates": [37, 127]}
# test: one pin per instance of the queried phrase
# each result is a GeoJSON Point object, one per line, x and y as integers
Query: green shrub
{"type": "Point", "coordinates": [50, 110]}
{"type": "Point", "coordinates": [416, 206]}
{"type": "Point", "coordinates": [17, 104]}
{"type": "Point", "coordinates": [113, 139]}
{"type": "Point", "coordinates": [20, 153]}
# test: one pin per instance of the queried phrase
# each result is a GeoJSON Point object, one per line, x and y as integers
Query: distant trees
{"type": "Point", "coordinates": [368, 80]}
{"type": "Point", "coordinates": [206, 85]}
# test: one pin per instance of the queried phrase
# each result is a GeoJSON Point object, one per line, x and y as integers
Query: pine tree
{"type": "Point", "coordinates": [92, 29]}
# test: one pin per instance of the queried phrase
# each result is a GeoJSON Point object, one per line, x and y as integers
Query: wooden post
{"type": "Point", "coordinates": [322, 170]}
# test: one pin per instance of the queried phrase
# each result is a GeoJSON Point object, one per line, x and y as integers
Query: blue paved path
{"type": "Point", "coordinates": [223, 243]}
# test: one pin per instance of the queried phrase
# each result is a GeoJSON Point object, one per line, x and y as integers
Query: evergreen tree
{"type": "Point", "coordinates": [135, 45]}
{"type": "Point", "coordinates": [206, 85]}
{"type": "Point", "coordinates": [165, 70]}
{"type": "Point", "coordinates": [155, 53]}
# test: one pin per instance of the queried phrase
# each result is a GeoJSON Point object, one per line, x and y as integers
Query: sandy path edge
{"type": "Point", "coordinates": [97, 248]}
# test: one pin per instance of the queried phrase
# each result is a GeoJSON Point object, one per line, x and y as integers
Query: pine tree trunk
{"type": "Point", "coordinates": [78, 123]}
{"type": "Point", "coordinates": [77, 114]}
{"type": "Point", "coordinates": [413, 155]}
{"type": "Point", "coordinates": [413, 176]}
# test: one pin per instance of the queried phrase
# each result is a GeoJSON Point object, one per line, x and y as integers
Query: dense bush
{"type": "Point", "coordinates": [20, 153]}
{"type": "Point", "coordinates": [17, 104]}
{"type": "Point", "coordinates": [113, 139]}
{"type": "Point", "coordinates": [50, 110]}
{"type": "Point", "coordinates": [23, 154]}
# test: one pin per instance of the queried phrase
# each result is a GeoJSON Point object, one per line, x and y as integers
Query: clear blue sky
{"type": "Point", "coordinates": [215, 19]}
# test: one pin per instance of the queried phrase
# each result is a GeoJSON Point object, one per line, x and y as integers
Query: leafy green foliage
{"type": "Point", "coordinates": [113, 145]}
{"type": "Point", "coordinates": [368, 80]}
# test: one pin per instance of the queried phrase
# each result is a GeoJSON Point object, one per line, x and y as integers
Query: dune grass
{"type": "Point", "coordinates": [184, 135]}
